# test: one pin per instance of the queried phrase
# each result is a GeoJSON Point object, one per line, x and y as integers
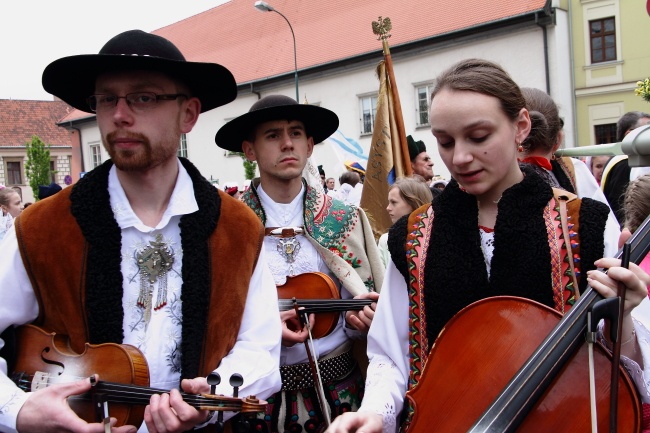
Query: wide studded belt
{"type": "Point", "coordinates": [298, 376]}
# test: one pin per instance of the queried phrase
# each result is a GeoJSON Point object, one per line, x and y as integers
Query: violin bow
{"type": "Point", "coordinates": [616, 354]}
{"type": "Point", "coordinates": [313, 364]}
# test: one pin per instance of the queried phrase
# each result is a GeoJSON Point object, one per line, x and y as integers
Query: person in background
{"type": "Point", "coordinates": [485, 235]}
{"type": "Point", "coordinates": [538, 150]}
{"type": "Point", "coordinates": [10, 208]}
{"type": "Point", "coordinates": [45, 191]}
{"type": "Point", "coordinates": [330, 184]}
{"type": "Point", "coordinates": [421, 162]}
{"type": "Point", "coordinates": [350, 190]}
{"type": "Point", "coordinates": [618, 173]}
{"type": "Point", "coordinates": [404, 196]}
{"type": "Point", "coordinates": [232, 189]}
{"type": "Point", "coordinates": [144, 249]}
{"type": "Point", "coordinates": [437, 186]}
{"type": "Point", "coordinates": [356, 167]}
{"type": "Point", "coordinates": [321, 173]}
{"type": "Point", "coordinates": [307, 232]}
{"type": "Point", "coordinates": [596, 165]}
{"type": "Point", "coordinates": [636, 204]}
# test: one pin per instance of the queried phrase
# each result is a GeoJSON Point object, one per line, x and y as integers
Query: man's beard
{"type": "Point", "coordinates": [145, 156]}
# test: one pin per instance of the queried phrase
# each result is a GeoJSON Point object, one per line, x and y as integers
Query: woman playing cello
{"type": "Point", "coordinates": [496, 232]}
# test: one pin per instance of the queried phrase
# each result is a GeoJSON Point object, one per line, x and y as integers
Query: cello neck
{"type": "Point", "coordinates": [508, 411]}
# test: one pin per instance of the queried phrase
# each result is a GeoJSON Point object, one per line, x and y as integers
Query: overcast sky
{"type": "Point", "coordinates": [33, 33]}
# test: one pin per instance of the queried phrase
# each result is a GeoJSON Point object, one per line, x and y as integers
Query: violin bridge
{"type": "Point", "coordinates": [41, 380]}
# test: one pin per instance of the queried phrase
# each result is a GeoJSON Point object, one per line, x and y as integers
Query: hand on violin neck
{"type": "Point", "coordinates": [362, 319]}
{"type": "Point", "coordinates": [293, 329]}
{"type": "Point", "coordinates": [198, 385]}
{"type": "Point", "coordinates": [169, 413]}
{"type": "Point", "coordinates": [47, 410]}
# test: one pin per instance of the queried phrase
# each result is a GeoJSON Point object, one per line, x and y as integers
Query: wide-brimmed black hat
{"type": "Point", "coordinates": [73, 78]}
{"type": "Point", "coordinates": [319, 122]}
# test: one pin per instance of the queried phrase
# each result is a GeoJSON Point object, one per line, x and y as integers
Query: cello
{"type": "Point", "coordinates": [490, 371]}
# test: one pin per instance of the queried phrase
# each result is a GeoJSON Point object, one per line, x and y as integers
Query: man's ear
{"type": "Point", "coordinates": [190, 114]}
{"type": "Point", "coordinates": [249, 150]}
{"type": "Point", "coordinates": [310, 146]}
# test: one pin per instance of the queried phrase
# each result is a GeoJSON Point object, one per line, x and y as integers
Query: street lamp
{"type": "Point", "coordinates": [265, 7]}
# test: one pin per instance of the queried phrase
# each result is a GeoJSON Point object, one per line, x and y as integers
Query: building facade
{"type": "Point", "coordinates": [337, 55]}
{"type": "Point", "coordinates": [609, 57]}
{"type": "Point", "coordinates": [19, 122]}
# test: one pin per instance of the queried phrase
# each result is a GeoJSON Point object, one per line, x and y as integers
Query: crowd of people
{"type": "Point", "coordinates": [148, 253]}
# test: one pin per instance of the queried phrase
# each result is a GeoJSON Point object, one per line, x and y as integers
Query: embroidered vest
{"type": "Point", "coordinates": [557, 291]}
{"type": "Point", "coordinates": [68, 263]}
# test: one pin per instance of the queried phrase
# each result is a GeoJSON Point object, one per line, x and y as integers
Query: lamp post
{"type": "Point", "coordinates": [265, 7]}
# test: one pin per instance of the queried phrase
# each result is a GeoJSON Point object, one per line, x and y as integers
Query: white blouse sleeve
{"type": "Point", "coordinates": [388, 339]}
{"type": "Point", "coordinates": [256, 354]}
{"type": "Point", "coordinates": [18, 306]}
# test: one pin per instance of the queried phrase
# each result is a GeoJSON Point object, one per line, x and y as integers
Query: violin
{"type": "Point", "coordinates": [44, 359]}
{"type": "Point", "coordinates": [491, 371]}
{"type": "Point", "coordinates": [318, 294]}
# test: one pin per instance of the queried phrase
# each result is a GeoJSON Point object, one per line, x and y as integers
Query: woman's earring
{"type": "Point", "coordinates": [520, 148]}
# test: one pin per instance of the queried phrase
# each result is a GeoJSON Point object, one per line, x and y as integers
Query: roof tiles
{"type": "Point", "coordinates": [256, 45]}
{"type": "Point", "coordinates": [20, 120]}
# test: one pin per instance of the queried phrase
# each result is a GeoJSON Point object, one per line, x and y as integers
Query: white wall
{"type": "Point", "coordinates": [519, 52]}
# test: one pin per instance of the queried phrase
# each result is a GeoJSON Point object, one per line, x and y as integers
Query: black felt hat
{"type": "Point", "coordinates": [45, 191]}
{"type": "Point", "coordinates": [415, 147]}
{"type": "Point", "coordinates": [73, 78]}
{"type": "Point", "coordinates": [319, 122]}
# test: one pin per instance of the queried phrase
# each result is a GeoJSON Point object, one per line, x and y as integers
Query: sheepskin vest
{"type": "Point", "coordinates": [70, 245]}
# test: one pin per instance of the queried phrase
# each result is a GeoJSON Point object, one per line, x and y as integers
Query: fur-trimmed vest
{"type": "Point", "coordinates": [70, 245]}
{"type": "Point", "coordinates": [450, 264]}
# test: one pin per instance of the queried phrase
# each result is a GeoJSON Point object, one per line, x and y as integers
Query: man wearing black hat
{"type": "Point", "coordinates": [142, 249]}
{"type": "Point", "coordinates": [421, 162]}
{"type": "Point", "coordinates": [307, 232]}
{"type": "Point", "coordinates": [45, 191]}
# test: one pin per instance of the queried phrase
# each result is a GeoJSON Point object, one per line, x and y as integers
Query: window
{"type": "Point", "coordinates": [368, 113]}
{"type": "Point", "coordinates": [605, 133]}
{"type": "Point", "coordinates": [182, 147]}
{"type": "Point", "coordinates": [14, 172]}
{"type": "Point", "coordinates": [602, 34]}
{"type": "Point", "coordinates": [95, 155]}
{"type": "Point", "coordinates": [422, 95]}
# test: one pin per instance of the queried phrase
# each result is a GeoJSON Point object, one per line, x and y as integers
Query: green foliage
{"type": "Point", "coordinates": [37, 166]}
{"type": "Point", "coordinates": [249, 166]}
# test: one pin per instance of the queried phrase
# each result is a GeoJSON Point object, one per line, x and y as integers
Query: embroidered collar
{"type": "Point", "coordinates": [282, 214]}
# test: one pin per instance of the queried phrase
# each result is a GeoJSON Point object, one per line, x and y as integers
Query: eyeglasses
{"type": "Point", "coordinates": [138, 101]}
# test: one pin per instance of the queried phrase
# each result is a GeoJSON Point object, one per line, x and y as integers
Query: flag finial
{"type": "Point", "coordinates": [382, 28]}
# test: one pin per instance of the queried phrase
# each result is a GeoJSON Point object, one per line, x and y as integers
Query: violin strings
{"type": "Point", "coordinates": [124, 393]}
{"type": "Point", "coordinates": [325, 305]}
